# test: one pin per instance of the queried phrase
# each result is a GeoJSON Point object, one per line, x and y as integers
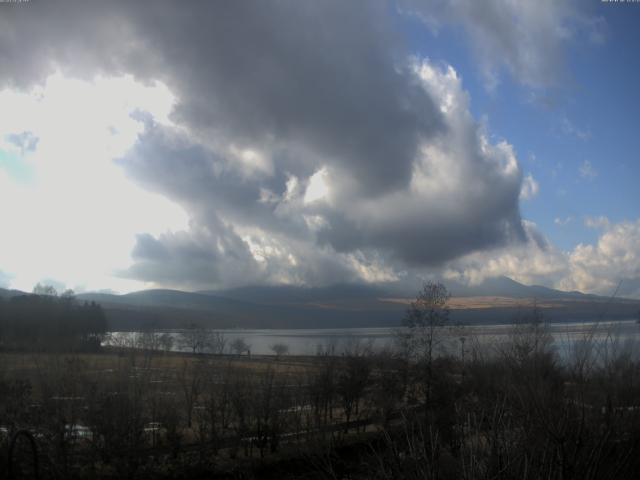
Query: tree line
{"type": "Point", "coordinates": [45, 320]}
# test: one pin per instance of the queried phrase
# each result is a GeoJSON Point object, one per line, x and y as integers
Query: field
{"type": "Point", "coordinates": [88, 408]}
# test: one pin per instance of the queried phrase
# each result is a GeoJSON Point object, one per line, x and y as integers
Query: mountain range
{"type": "Point", "coordinates": [497, 300]}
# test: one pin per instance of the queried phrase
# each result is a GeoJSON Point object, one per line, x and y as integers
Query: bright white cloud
{"type": "Point", "coordinates": [317, 189]}
{"type": "Point", "coordinates": [596, 268]}
{"type": "Point", "coordinates": [600, 267]}
{"type": "Point", "coordinates": [561, 222]}
{"type": "Point", "coordinates": [250, 162]}
{"type": "Point", "coordinates": [77, 217]}
{"type": "Point", "coordinates": [530, 187]}
{"type": "Point", "coordinates": [530, 262]}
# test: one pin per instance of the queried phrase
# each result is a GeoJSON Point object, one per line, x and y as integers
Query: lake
{"type": "Point", "coordinates": [567, 338]}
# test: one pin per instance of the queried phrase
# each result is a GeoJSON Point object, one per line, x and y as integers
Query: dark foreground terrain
{"type": "Point", "coordinates": [130, 413]}
{"type": "Point", "coordinates": [73, 409]}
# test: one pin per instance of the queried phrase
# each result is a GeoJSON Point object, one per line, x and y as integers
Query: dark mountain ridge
{"type": "Point", "coordinates": [343, 306]}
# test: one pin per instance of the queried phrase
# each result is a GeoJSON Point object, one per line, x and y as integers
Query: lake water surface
{"type": "Point", "coordinates": [567, 337]}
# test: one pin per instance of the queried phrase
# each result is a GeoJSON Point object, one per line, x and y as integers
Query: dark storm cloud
{"type": "Point", "coordinates": [323, 74]}
{"type": "Point", "coordinates": [427, 239]}
{"type": "Point", "coordinates": [206, 257]}
{"type": "Point", "coordinates": [203, 182]}
{"type": "Point", "coordinates": [327, 75]}
{"type": "Point", "coordinates": [196, 259]}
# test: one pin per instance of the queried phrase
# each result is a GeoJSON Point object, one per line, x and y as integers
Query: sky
{"type": "Point", "coordinates": [210, 145]}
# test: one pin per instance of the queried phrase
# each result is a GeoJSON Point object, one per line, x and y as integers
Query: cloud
{"type": "Point", "coordinates": [615, 257]}
{"type": "Point", "coordinates": [525, 38]}
{"type": "Point", "coordinates": [205, 258]}
{"type": "Point", "coordinates": [593, 268]}
{"type": "Point", "coordinates": [462, 196]}
{"type": "Point", "coordinates": [74, 219]}
{"type": "Point", "coordinates": [561, 222]}
{"type": "Point", "coordinates": [463, 193]}
{"type": "Point", "coordinates": [198, 259]}
{"type": "Point", "coordinates": [587, 171]}
{"type": "Point", "coordinates": [266, 96]}
{"type": "Point", "coordinates": [296, 127]}
{"type": "Point", "coordinates": [568, 128]}
{"type": "Point", "coordinates": [530, 187]}
{"type": "Point", "coordinates": [323, 76]}
{"type": "Point", "coordinates": [535, 261]}
{"type": "Point", "coordinates": [303, 143]}
{"type": "Point", "coordinates": [600, 222]}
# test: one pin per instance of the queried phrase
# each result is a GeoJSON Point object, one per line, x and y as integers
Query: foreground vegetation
{"type": "Point", "coordinates": [415, 412]}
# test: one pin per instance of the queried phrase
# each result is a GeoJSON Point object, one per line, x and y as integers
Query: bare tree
{"type": "Point", "coordinates": [424, 322]}
{"type": "Point", "coordinates": [279, 349]}
{"type": "Point", "coordinates": [215, 418]}
{"type": "Point", "coordinates": [239, 346]}
{"type": "Point", "coordinates": [217, 342]}
{"type": "Point", "coordinates": [166, 342]}
{"type": "Point", "coordinates": [190, 379]}
{"type": "Point", "coordinates": [321, 389]}
{"type": "Point", "coordinates": [149, 340]}
{"type": "Point", "coordinates": [530, 338]}
{"type": "Point", "coordinates": [388, 383]}
{"type": "Point", "coordinates": [241, 393]}
{"type": "Point", "coordinates": [195, 338]}
{"type": "Point", "coordinates": [352, 381]}
{"type": "Point", "coordinates": [266, 406]}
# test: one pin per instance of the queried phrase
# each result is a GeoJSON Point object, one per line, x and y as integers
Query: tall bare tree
{"type": "Point", "coordinates": [425, 320]}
